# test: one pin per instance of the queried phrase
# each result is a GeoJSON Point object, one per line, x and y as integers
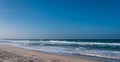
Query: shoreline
{"type": "Point", "coordinates": [27, 55]}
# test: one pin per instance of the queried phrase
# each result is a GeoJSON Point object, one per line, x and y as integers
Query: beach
{"type": "Point", "coordinates": [16, 54]}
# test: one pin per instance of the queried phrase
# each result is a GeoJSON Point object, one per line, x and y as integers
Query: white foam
{"type": "Point", "coordinates": [83, 43]}
{"type": "Point", "coordinates": [63, 42]}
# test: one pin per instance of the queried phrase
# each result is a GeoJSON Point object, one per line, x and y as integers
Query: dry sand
{"type": "Point", "coordinates": [16, 54]}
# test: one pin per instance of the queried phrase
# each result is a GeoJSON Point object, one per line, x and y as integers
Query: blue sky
{"type": "Point", "coordinates": [60, 19]}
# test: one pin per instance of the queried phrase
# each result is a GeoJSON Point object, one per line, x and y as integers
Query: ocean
{"type": "Point", "coordinates": [103, 48]}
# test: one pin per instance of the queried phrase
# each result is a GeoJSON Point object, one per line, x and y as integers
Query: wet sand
{"type": "Point", "coordinates": [16, 54]}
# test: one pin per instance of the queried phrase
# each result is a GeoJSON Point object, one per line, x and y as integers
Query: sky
{"type": "Point", "coordinates": [60, 19]}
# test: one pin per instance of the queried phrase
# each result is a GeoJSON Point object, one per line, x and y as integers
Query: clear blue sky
{"type": "Point", "coordinates": [60, 19]}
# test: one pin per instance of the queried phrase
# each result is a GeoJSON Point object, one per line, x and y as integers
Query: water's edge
{"type": "Point", "coordinates": [107, 50]}
{"type": "Point", "coordinates": [101, 59]}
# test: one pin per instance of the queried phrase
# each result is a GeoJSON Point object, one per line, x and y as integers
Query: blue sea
{"type": "Point", "coordinates": [101, 48]}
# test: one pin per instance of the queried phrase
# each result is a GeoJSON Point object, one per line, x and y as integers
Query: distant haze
{"type": "Point", "coordinates": [60, 19]}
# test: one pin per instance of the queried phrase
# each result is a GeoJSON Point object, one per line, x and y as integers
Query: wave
{"type": "Point", "coordinates": [62, 42]}
{"type": "Point", "coordinates": [72, 44]}
{"type": "Point", "coordinates": [84, 43]}
{"type": "Point", "coordinates": [114, 54]}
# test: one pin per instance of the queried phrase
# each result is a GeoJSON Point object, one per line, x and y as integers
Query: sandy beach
{"type": "Point", "coordinates": [16, 54]}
